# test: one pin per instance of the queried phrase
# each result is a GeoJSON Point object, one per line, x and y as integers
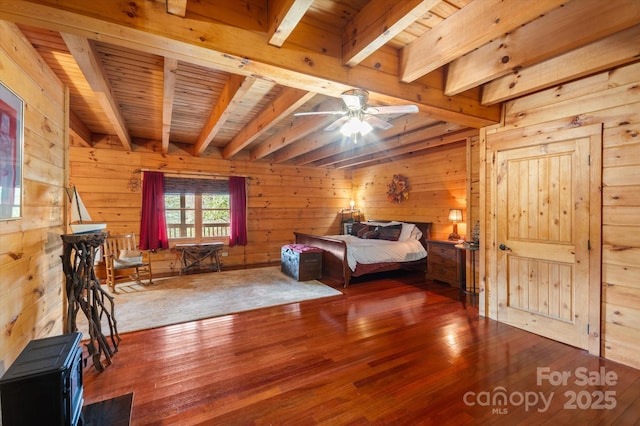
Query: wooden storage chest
{"type": "Point", "coordinates": [301, 262]}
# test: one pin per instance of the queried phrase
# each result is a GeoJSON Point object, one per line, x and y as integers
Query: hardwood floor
{"type": "Point", "coordinates": [395, 350]}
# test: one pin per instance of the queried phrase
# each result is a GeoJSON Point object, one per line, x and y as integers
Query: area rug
{"type": "Point", "coordinates": [176, 300]}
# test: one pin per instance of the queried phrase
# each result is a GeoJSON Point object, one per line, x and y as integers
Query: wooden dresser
{"type": "Point", "coordinates": [445, 262]}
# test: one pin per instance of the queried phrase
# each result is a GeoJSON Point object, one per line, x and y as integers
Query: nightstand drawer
{"type": "Point", "coordinates": [445, 252]}
{"type": "Point", "coordinates": [444, 262]}
{"type": "Point", "coordinates": [443, 272]}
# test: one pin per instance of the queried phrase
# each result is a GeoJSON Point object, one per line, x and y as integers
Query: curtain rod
{"type": "Point", "coordinates": [178, 172]}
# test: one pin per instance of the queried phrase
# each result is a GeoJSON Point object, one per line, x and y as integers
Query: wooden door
{"type": "Point", "coordinates": [548, 273]}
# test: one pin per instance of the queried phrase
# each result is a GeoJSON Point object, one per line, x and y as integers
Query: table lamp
{"type": "Point", "coordinates": [455, 216]}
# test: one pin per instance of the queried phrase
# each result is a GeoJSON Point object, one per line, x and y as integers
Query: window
{"type": "Point", "coordinates": [196, 209]}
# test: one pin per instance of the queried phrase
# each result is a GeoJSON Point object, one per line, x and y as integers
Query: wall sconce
{"type": "Point", "coordinates": [455, 216]}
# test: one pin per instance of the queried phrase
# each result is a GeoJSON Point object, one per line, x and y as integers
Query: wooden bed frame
{"type": "Point", "coordinates": [334, 256]}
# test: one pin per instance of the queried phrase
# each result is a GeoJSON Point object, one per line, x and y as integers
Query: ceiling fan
{"type": "Point", "coordinates": [358, 118]}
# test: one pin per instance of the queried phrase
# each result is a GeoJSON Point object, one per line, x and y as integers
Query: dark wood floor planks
{"type": "Point", "coordinates": [394, 350]}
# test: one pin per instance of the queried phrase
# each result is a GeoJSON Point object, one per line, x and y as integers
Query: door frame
{"type": "Point", "coordinates": [489, 259]}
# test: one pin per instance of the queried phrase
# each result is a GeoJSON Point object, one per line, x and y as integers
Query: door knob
{"type": "Point", "coordinates": [504, 248]}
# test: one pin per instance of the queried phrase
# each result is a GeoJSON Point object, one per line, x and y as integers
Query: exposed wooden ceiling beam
{"type": "Point", "coordinates": [281, 107]}
{"type": "Point", "coordinates": [81, 133]}
{"type": "Point", "coordinates": [232, 93]}
{"type": "Point", "coordinates": [298, 129]}
{"type": "Point", "coordinates": [363, 150]}
{"type": "Point", "coordinates": [89, 63]}
{"type": "Point", "coordinates": [576, 24]}
{"type": "Point", "coordinates": [168, 94]}
{"type": "Point", "coordinates": [284, 16]}
{"type": "Point", "coordinates": [302, 149]}
{"type": "Point", "coordinates": [177, 7]}
{"type": "Point", "coordinates": [238, 51]}
{"type": "Point", "coordinates": [377, 23]}
{"type": "Point", "coordinates": [620, 48]}
{"type": "Point", "coordinates": [475, 24]}
{"type": "Point", "coordinates": [406, 123]}
{"type": "Point", "coordinates": [393, 153]}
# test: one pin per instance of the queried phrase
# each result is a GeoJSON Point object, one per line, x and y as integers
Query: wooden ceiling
{"type": "Point", "coordinates": [222, 79]}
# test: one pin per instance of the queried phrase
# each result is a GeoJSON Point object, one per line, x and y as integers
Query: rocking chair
{"type": "Point", "coordinates": [121, 254]}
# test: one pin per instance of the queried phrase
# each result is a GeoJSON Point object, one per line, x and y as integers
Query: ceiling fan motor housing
{"type": "Point", "coordinates": [355, 99]}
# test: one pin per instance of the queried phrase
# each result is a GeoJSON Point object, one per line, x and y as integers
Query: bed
{"type": "Point", "coordinates": [338, 260]}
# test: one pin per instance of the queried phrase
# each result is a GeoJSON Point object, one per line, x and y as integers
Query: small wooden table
{"type": "Point", "coordinates": [195, 256]}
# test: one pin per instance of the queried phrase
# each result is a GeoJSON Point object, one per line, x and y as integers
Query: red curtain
{"type": "Point", "coordinates": [153, 225]}
{"type": "Point", "coordinates": [238, 206]}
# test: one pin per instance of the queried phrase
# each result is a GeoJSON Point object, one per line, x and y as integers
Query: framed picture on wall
{"type": "Point", "coordinates": [11, 145]}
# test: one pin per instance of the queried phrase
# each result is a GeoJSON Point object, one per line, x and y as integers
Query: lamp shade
{"type": "Point", "coordinates": [455, 215]}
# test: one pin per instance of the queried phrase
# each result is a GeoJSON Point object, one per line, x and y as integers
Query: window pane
{"type": "Point", "coordinates": [212, 201]}
{"type": "Point", "coordinates": [171, 201]}
{"type": "Point", "coordinates": [188, 232]}
{"type": "Point", "coordinates": [190, 201]}
{"type": "Point", "coordinates": [190, 217]}
{"type": "Point", "coordinates": [173, 216]}
{"type": "Point", "coordinates": [215, 216]}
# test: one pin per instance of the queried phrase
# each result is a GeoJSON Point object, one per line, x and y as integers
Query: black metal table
{"type": "Point", "coordinates": [463, 285]}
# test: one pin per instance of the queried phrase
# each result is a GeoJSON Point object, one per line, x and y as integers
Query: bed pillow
{"type": "Point", "coordinates": [407, 228]}
{"type": "Point", "coordinates": [416, 234]}
{"type": "Point", "coordinates": [370, 235]}
{"type": "Point", "coordinates": [390, 233]}
{"type": "Point", "coordinates": [363, 231]}
{"type": "Point", "coordinates": [358, 227]}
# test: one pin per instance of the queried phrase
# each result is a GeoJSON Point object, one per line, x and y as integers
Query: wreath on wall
{"type": "Point", "coordinates": [398, 189]}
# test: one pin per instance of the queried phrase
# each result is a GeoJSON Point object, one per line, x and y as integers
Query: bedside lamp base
{"type": "Point", "coordinates": [454, 236]}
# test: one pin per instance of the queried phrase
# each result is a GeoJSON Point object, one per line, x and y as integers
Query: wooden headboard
{"type": "Point", "coordinates": [425, 227]}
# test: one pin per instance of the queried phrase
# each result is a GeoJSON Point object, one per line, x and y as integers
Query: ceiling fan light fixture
{"type": "Point", "coordinates": [355, 125]}
{"type": "Point", "coordinates": [365, 127]}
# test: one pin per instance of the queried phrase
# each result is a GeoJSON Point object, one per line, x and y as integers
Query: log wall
{"type": "Point", "coordinates": [281, 199]}
{"type": "Point", "coordinates": [31, 296]}
{"type": "Point", "coordinates": [438, 182]}
{"type": "Point", "coordinates": [611, 98]}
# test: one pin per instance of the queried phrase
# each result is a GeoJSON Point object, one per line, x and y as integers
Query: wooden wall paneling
{"type": "Point", "coordinates": [31, 297]}
{"type": "Point", "coordinates": [613, 99]}
{"type": "Point", "coordinates": [437, 183]}
{"type": "Point", "coordinates": [281, 198]}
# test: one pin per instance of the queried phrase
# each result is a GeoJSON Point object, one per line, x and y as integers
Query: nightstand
{"type": "Point", "coordinates": [445, 262]}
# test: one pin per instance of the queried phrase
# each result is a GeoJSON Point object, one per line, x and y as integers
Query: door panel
{"type": "Point", "coordinates": [542, 225]}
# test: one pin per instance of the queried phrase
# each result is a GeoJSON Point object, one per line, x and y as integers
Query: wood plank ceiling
{"type": "Point", "coordinates": [222, 79]}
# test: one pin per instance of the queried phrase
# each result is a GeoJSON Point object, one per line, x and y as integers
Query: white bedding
{"type": "Point", "coordinates": [376, 251]}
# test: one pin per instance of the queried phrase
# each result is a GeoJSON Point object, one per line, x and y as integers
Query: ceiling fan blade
{"type": "Point", "coordinates": [298, 114]}
{"type": "Point", "coordinates": [392, 109]}
{"type": "Point", "coordinates": [376, 122]}
{"type": "Point", "coordinates": [336, 124]}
